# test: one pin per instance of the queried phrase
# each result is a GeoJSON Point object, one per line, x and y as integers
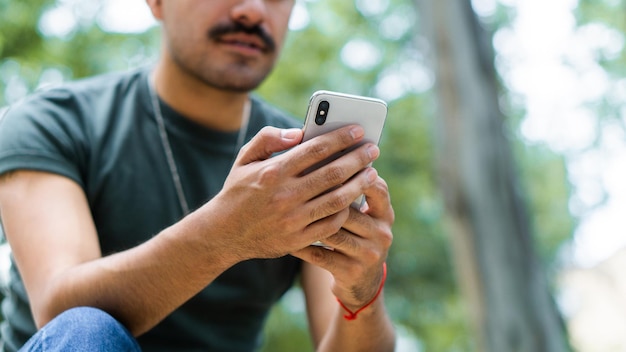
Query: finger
{"type": "Point", "coordinates": [342, 197]}
{"type": "Point", "coordinates": [337, 172]}
{"type": "Point", "coordinates": [325, 227]}
{"type": "Point", "coordinates": [360, 224]}
{"type": "Point", "coordinates": [344, 242]}
{"type": "Point", "coordinates": [374, 224]}
{"type": "Point", "coordinates": [268, 141]}
{"type": "Point", "coordinates": [327, 259]}
{"type": "Point", "coordinates": [322, 147]}
{"type": "Point", "coordinates": [378, 201]}
{"type": "Point", "coordinates": [362, 233]}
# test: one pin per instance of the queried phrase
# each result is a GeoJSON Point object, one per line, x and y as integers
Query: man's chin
{"type": "Point", "coordinates": [235, 81]}
{"type": "Point", "coordinates": [235, 87]}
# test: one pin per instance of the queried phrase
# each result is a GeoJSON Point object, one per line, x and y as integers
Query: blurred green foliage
{"type": "Point", "coordinates": [421, 292]}
{"type": "Point", "coordinates": [610, 29]}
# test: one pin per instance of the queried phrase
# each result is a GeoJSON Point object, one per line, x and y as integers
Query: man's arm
{"type": "Point", "coordinates": [353, 273]}
{"type": "Point", "coordinates": [266, 209]}
{"type": "Point", "coordinates": [53, 239]}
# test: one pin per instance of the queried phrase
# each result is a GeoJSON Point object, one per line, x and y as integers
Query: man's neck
{"type": "Point", "coordinates": [203, 104]}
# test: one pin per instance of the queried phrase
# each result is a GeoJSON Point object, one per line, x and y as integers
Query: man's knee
{"type": "Point", "coordinates": [86, 328]}
{"type": "Point", "coordinates": [91, 322]}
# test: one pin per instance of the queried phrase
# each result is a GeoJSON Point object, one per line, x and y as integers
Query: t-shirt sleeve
{"type": "Point", "coordinates": [44, 133]}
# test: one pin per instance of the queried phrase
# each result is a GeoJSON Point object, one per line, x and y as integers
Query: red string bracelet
{"type": "Point", "coordinates": [352, 315]}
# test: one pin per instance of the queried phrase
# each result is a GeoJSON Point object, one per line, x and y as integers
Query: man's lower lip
{"type": "Point", "coordinates": [249, 50]}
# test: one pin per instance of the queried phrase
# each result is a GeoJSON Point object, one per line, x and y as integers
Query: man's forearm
{"type": "Point", "coordinates": [142, 285]}
{"type": "Point", "coordinates": [372, 330]}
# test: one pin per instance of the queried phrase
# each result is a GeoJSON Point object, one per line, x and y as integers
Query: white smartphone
{"type": "Point", "coordinates": [329, 111]}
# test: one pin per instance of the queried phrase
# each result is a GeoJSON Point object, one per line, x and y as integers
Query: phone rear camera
{"type": "Point", "coordinates": [322, 112]}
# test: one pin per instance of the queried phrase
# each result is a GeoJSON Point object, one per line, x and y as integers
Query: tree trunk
{"type": "Point", "coordinates": [491, 236]}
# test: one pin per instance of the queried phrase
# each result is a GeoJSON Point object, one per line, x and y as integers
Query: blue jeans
{"type": "Point", "coordinates": [82, 329]}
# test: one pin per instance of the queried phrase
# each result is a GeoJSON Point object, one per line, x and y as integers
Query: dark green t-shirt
{"type": "Point", "coordinates": [101, 133]}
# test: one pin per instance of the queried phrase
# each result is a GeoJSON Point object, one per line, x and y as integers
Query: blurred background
{"type": "Point", "coordinates": [504, 150]}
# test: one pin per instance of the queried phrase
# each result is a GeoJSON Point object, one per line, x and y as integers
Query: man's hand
{"type": "Point", "coordinates": [360, 248]}
{"type": "Point", "coordinates": [268, 208]}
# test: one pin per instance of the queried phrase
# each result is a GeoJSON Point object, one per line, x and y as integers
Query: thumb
{"type": "Point", "coordinates": [268, 141]}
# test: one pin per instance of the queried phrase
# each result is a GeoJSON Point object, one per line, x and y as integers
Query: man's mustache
{"type": "Point", "coordinates": [236, 27]}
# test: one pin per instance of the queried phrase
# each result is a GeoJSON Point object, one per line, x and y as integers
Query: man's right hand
{"type": "Point", "coordinates": [268, 208]}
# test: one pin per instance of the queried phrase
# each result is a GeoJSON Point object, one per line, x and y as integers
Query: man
{"type": "Point", "coordinates": [125, 194]}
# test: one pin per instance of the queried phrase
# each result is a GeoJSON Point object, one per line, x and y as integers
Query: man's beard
{"type": "Point", "coordinates": [238, 76]}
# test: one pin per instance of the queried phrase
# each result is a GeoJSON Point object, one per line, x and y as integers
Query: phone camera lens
{"type": "Point", "coordinates": [322, 112]}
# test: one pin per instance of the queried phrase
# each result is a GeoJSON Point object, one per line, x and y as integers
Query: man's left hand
{"type": "Point", "coordinates": [359, 249]}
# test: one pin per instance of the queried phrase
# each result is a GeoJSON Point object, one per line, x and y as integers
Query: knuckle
{"type": "Point", "coordinates": [321, 256]}
{"type": "Point", "coordinates": [282, 197]}
{"type": "Point", "coordinates": [338, 201]}
{"type": "Point", "coordinates": [386, 238]}
{"type": "Point", "coordinates": [339, 239]}
{"type": "Point", "coordinates": [349, 241]}
{"type": "Point", "coordinates": [278, 199]}
{"type": "Point", "coordinates": [381, 189]}
{"type": "Point", "coordinates": [335, 174]}
{"type": "Point", "coordinates": [244, 149]}
{"type": "Point", "coordinates": [270, 174]}
{"type": "Point", "coordinates": [310, 184]}
{"type": "Point", "coordinates": [318, 213]}
{"type": "Point", "coordinates": [266, 131]}
{"type": "Point", "coordinates": [288, 224]}
{"type": "Point", "coordinates": [317, 150]}
{"type": "Point", "coordinates": [264, 134]}
{"type": "Point", "coordinates": [381, 185]}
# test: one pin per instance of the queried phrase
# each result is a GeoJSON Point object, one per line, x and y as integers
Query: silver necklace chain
{"type": "Point", "coordinates": [171, 161]}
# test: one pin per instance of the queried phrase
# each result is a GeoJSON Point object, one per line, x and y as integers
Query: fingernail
{"type": "Point", "coordinates": [373, 152]}
{"type": "Point", "coordinates": [289, 134]}
{"type": "Point", "coordinates": [372, 175]}
{"type": "Point", "coordinates": [357, 132]}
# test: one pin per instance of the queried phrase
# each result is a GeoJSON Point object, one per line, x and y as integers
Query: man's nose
{"type": "Point", "coordinates": [249, 12]}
